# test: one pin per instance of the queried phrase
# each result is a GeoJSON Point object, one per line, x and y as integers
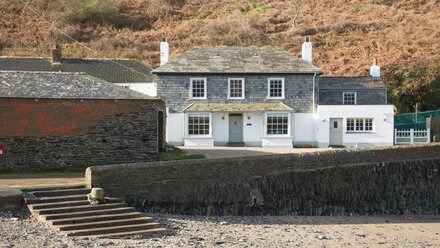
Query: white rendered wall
{"type": "Point", "coordinates": [144, 88]}
{"type": "Point", "coordinates": [175, 128]}
{"type": "Point", "coordinates": [209, 141]}
{"type": "Point", "coordinates": [303, 128]}
{"type": "Point", "coordinates": [252, 128]}
{"type": "Point", "coordinates": [220, 128]}
{"type": "Point", "coordinates": [383, 126]}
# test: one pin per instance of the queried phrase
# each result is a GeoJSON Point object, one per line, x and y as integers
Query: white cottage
{"type": "Point", "coordinates": [253, 96]}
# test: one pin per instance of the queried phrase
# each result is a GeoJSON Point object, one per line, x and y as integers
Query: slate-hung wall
{"type": "Point", "coordinates": [57, 132]}
{"type": "Point", "coordinates": [363, 96]}
{"type": "Point", "coordinates": [298, 90]}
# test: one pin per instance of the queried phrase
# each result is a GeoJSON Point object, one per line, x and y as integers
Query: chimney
{"type": "Point", "coordinates": [164, 51]}
{"type": "Point", "coordinates": [57, 54]}
{"type": "Point", "coordinates": [307, 50]}
{"type": "Point", "coordinates": [375, 70]}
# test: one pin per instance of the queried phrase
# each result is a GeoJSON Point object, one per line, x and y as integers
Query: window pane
{"type": "Point", "coordinates": [198, 88]}
{"type": "Point", "coordinates": [275, 88]}
{"type": "Point", "coordinates": [236, 88]}
{"type": "Point", "coordinates": [349, 98]}
{"type": "Point", "coordinates": [198, 124]}
{"type": "Point", "coordinates": [277, 124]}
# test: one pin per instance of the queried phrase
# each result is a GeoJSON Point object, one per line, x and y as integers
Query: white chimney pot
{"type": "Point", "coordinates": [164, 51]}
{"type": "Point", "coordinates": [306, 52]}
{"type": "Point", "coordinates": [375, 69]}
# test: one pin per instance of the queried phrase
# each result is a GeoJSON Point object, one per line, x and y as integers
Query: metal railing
{"type": "Point", "coordinates": [412, 136]}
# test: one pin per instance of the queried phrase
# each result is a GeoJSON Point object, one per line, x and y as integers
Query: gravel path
{"type": "Point", "coordinates": [228, 152]}
{"type": "Point", "coordinates": [19, 230]}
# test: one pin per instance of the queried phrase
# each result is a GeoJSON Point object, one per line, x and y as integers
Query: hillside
{"type": "Point", "coordinates": [404, 35]}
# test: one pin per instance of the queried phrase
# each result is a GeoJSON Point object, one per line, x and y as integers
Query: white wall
{"type": "Point", "coordinates": [220, 128]}
{"type": "Point", "coordinates": [303, 128]}
{"type": "Point", "coordinates": [252, 128]}
{"type": "Point", "coordinates": [175, 128]}
{"type": "Point", "coordinates": [144, 88]}
{"type": "Point", "coordinates": [383, 124]}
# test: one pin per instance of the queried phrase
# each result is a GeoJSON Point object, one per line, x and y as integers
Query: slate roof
{"type": "Point", "coordinates": [105, 69]}
{"type": "Point", "coordinates": [237, 60]}
{"type": "Point", "coordinates": [16, 84]}
{"type": "Point", "coordinates": [335, 83]}
{"type": "Point", "coordinates": [237, 107]}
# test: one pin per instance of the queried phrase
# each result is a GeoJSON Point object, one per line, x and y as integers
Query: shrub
{"type": "Point", "coordinates": [93, 12]}
{"type": "Point", "coordinates": [233, 30]}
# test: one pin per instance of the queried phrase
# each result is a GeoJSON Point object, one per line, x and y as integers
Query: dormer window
{"type": "Point", "coordinates": [349, 98]}
{"type": "Point", "coordinates": [275, 88]}
{"type": "Point", "coordinates": [236, 88]}
{"type": "Point", "coordinates": [198, 88]}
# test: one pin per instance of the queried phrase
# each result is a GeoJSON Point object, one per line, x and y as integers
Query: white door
{"type": "Point", "coordinates": [336, 132]}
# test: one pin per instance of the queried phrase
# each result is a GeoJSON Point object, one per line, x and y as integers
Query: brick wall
{"type": "Point", "coordinates": [317, 183]}
{"type": "Point", "coordinates": [298, 90]}
{"type": "Point", "coordinates": [58, 132]}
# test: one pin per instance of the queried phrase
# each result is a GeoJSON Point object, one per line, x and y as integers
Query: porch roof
{"type": "Point", "coordinates": [238, 107]}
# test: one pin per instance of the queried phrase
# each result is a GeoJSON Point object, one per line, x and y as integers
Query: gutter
{"type": "Point", "coordinates": [313, 107]}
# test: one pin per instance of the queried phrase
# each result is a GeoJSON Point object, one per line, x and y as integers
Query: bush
{"type": "Point", "coordinates": [233, 30]}
{"type": "Point", "coordinates": [93, 12]}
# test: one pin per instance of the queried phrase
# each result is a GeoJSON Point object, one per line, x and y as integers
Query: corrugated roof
{"type": "Point", "coordinates": [334, 83]}
{"type": "Point", "coordinates": [238, 107]}
{"type": "Point", "coordinates": [105, 69]}
{"type": "Point", "coordinates": [237, 60]}
{"type": "Point", "coordinates": [15, 84]}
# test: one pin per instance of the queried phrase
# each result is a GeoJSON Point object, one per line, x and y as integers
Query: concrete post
{"type": "Point", "coordinates": [412, 135]}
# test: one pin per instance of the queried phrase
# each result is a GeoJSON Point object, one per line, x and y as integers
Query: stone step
{"type": "Point", "coordinates": [113, 229]}
{"type": "Point", "coordinates": [126, 234]}
{"type": "Point", "coordinates": [79, 208]}
{"type": "Point", "coordinates": [51, 205]}
{"type": "Point", "coordinates": [39, 200]}
{"type": "Point", "coordinates": [61, 192]}
{"type": "Point", "coordinates": [108, 223]}
{"type": "Point", "coordinates": [88, 213]}
{"type": "Point", "coordinates": [88, 219]}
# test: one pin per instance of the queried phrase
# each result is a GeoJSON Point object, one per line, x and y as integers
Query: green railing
{"type": "Point", "coordinates": [413, 120]}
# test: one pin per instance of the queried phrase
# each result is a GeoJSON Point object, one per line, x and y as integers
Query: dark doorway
{"type": "Point", "coordinates": [161, 131]}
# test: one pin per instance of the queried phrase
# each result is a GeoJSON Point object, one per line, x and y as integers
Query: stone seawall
{"type": "Point", "coordinates": [329, 183]}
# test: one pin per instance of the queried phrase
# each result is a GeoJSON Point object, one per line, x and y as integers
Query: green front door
{"type": "Point", "coordinates": [235, 128]}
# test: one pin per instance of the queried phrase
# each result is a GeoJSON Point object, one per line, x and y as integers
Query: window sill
{"type": "Point", "coordinates": [199, 137]}
{"type": "Point", "coordinates": [192, 98]}
{"type": "Point", "coordinates": [365, 132]}
{"type": "Point", "coordinates": [276, 137]}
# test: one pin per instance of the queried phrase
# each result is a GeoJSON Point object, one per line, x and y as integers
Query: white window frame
{"type": "Point", "coordinates": [205, 80]}
{"type": "Point", "coordinates": [363, 125]}
{"type": "Point", "coordinates": [198, 135]}
{"type": "Point", "coordinates": [282, 90]}
{"type": "Point", "coordinates": [242, 88]}
{"type": "Point", "coordinates": [289, 125]}
{"type": "Point", "coordinates": [349, 92]}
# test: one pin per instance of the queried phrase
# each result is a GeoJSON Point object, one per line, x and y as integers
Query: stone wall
{"type": "Point", "coordinates": [298, 90]}
{"type": "Point", "coordinates": [61, 132]}
{"type": "Point", "coordinates": [363, 97]}
{"type": "Point", "coordinates": [331, 182]}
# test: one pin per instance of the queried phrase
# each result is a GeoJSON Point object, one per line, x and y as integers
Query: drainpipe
{"type": "Point", "coordinates": [313, 107]}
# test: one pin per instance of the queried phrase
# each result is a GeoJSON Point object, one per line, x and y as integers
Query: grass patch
{"type": "Point", "coordinates": [255, 8]}
{"type": "Point", "coordinates": [63, 169]}
{"type": "Point", "coordinates": [364, 7]}
{"type": "Point", "coordinates": [174, 153]}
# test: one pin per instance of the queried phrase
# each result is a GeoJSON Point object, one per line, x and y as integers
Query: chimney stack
{"type": "Point", "coordinates": [164, 51]}
{"type": "Point", "coordinates": [57, 54]}
{"type": "Point", "coordinates": [307, 50]}
{"type": "Point", "coordinates": [375, 70]}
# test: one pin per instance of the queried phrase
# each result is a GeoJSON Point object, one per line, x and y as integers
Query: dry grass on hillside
{"type": "Point", "coordinates": [346, 34]}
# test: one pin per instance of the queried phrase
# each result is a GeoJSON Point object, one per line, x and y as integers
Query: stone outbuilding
{"type": "Point", "coordinates": [51, 119]}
